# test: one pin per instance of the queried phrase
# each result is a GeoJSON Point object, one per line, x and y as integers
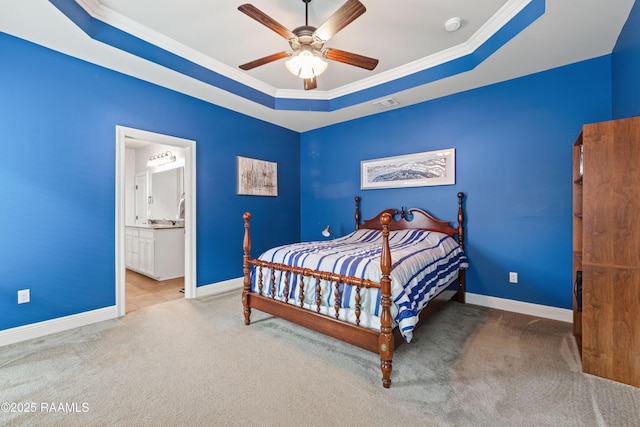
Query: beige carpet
{"type": "Point", "coordinates": [193, 362]}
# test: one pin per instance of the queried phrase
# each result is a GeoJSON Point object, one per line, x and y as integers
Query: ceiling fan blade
{"type": "Point", "coordinates": [265, 60]}
{"type": "Point", "coordinates": [255, 13]}
{"type": "Point", "coordinates": [310, 83]}
{"type": "Point", "coordinates": [350, 58]}
{"type": "Point", "coordinates": [342, 17]}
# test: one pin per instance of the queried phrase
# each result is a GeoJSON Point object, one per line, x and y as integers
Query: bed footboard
{"type": "Point", "coordinates": [382, 342]}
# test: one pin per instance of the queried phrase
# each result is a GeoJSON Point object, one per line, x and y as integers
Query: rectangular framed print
{"type": "Point", "coordinates": [257, 177]}
{"type": "Point", "coordinates": [411, 170]}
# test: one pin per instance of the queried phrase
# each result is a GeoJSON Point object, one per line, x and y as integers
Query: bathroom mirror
{"type": "Point", "coordinates": [166, 189]}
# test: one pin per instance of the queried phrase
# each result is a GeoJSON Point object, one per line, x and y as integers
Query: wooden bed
{"type": "Point", "coordinates": [387, 338]}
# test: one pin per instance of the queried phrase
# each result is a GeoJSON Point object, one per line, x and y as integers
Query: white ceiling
{"type": "Point", "coordinates": [405, 35]}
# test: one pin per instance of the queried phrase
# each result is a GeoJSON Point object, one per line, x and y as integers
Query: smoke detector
{"type": "Point", "coordinates": [453, 24]}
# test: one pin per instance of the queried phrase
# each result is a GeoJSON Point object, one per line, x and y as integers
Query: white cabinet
{"type": "Point", "coordinates": [146, 256]}
{"type": "Point", "coordinates": [128, 247]}
{"type": "Point", "coordinates": [157, 253]}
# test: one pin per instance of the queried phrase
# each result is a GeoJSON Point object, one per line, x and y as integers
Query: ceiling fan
{"type": "Point", "coordinates": [307, 42]}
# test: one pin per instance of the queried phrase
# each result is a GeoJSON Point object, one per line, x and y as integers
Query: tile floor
{"type": "Point", "coordinates": [142, 291]}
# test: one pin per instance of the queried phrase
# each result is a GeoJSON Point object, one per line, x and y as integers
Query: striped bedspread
{"type": "Point", "coordinates": [423, 263]}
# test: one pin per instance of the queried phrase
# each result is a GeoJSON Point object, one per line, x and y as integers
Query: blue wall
{"type": "Point", "coordinates": [513, 141]}
{"type": "Point", "coordinates": [57, 218]}
{"type": "Point", "coordinates": [513, 160]}
{"type": "Point", "coordinates": [626, 68]}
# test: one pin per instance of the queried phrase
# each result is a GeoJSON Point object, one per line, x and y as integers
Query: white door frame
{"type": "Point", "coordinates": [189, 146]}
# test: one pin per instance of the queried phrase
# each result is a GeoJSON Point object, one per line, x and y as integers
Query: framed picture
{"type": "Point", "coordinates": [257, 177]}
{"type": "Point", "coordinates": [411, 170]}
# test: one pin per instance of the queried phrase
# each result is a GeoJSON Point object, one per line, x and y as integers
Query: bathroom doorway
{"type": "Point", "coordinates": [130, 141]}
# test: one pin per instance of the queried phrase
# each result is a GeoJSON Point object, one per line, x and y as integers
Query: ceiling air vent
{"type": "Point", "coordinates": [385, 103]}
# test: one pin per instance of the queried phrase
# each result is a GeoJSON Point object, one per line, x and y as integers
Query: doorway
{"type": "Point", "coordinates": [127, 136]}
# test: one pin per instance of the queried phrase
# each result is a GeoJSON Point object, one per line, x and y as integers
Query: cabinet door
{"type": "Point", "coordinates": [141, 198]}
{"type": "Point", "coordinates": [135, 251]}
{"type": "Point", "coordinates": [128, 250]}
{"type": "Point", "coordinates": [147, 256]}
{"type": "Point", "coordinates": [611, 331]}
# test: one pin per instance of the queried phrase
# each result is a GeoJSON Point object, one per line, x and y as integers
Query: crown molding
{"type": "Point", "coordinates": [499, 20]}
{"type": "Point", "coordinates": [507, 22]}
{"type": "Point", "coordinates": [110, 17]}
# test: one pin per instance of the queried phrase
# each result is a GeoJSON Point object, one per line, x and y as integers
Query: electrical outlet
{"type": "Point", "coordinates": [513, 277]}
{"type": "Point", "coordinates": [24, 295]}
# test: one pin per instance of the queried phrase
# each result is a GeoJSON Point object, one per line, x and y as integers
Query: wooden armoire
{"type": "Point", "coordinates": [606, 245]}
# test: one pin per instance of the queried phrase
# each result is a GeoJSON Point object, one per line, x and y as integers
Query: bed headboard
{"type": "Point", "coordinates": [414, 218]}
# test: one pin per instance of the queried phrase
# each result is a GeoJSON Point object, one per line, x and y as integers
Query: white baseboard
{"type": "Point", "coordinates": [220, 287]}
{"type": "Point", "coordinates": [36, 330]}
{"type": "Point", "coordinates": [40, 329]}
{"type": "Point", "coordinates": [545, 311]}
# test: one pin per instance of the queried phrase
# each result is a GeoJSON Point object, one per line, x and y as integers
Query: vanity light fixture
{"type": "Point", "coordinates": [161, 159]}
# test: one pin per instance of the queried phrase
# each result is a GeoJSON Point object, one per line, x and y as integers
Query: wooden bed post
{"type": "Point", "coordinates": [246, 244]}
{"type": "Point", "coordinates": [357, 213]}
{"type": "Point", "coordinates": [461, 273]}
{"type": "Point", "coordinates": [385, 340]}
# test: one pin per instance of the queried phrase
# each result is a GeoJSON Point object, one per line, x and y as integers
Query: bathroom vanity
{"type": "Point", "coordinates": [156, 251]}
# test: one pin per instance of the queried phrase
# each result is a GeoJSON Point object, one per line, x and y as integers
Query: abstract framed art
{"type": "Point", "coordinates": [411, 170]}
{"type": "Point", "coordinates": [257, 177]}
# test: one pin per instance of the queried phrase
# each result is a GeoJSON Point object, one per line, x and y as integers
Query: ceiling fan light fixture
{"type": "Point", "coordinates": [306, 65]}
{"type": "Point", "coordinates": [307, 42]}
